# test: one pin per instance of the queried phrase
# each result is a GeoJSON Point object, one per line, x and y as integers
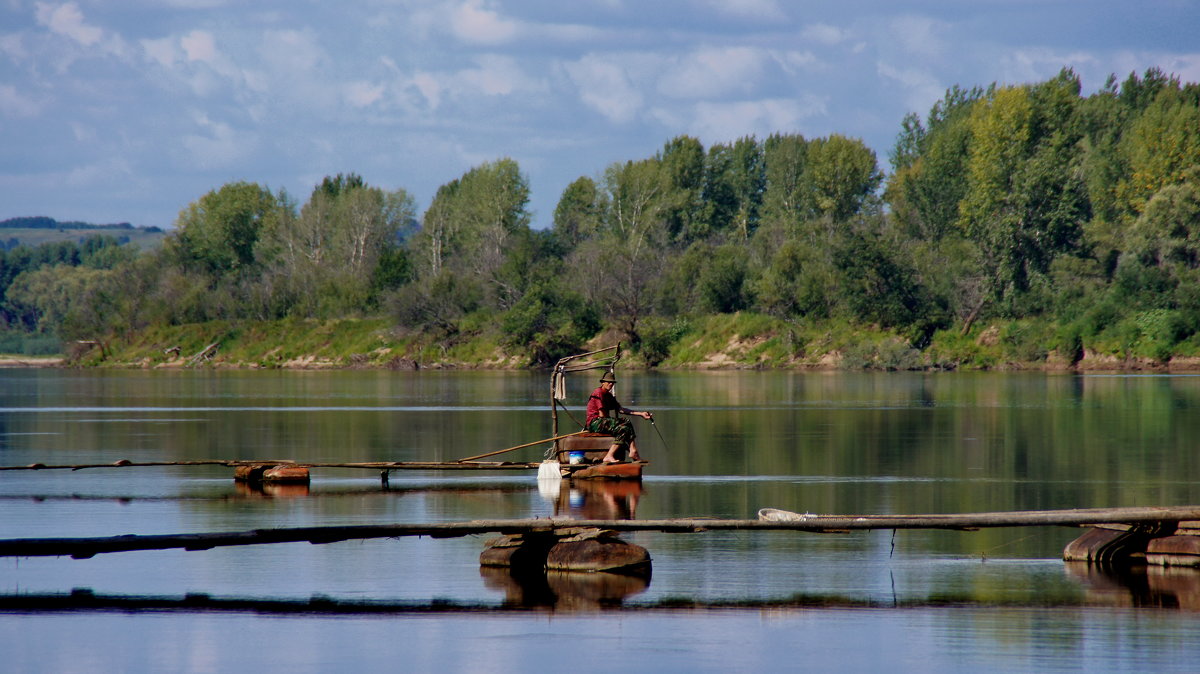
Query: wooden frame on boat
{"type": "Point", "coordinates": [580, 454]}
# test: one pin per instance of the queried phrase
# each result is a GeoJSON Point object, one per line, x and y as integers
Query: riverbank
{"type": "Point", "coordinates": [740, 341]}
{"type": "Point", "coordinates": [31, 361]}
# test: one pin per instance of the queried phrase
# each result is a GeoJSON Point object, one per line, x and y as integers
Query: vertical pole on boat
{"type": "Point", "coordinates": [550, 470]}
{"type": "Point", "coordinates": [554, 407]}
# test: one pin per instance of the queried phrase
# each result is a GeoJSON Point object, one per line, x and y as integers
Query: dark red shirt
{"type": "Point", "coordinates": [600, 403]}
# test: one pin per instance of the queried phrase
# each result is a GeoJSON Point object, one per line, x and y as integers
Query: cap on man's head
{"type": "Point", "coordinates": [608, 376]}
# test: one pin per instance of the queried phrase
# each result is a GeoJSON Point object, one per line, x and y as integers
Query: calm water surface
{"type": "Point", "coordinates": [734, 442]}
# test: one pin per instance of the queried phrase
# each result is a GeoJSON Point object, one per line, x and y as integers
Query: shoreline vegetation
{"type": "Point", "coordinates": [1024, 226]}
{"type": "Point", "coordinates": [711, 343]}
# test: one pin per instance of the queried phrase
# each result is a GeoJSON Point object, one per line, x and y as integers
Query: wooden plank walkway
{"type": "Point", "coordinates": [769, 520]}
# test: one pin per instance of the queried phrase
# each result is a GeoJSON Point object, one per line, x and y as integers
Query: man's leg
{"type": "Point", "coordinates": [633, 451]}
{"type": "Point", "coordinates": [611, 457]}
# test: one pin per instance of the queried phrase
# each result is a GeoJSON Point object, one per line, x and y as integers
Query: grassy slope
{"type": "Point", "coordinates": [743, 340]}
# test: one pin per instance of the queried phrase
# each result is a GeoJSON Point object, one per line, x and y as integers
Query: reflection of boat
{"type": "Point", "coordinates": [579, 455]}
{"type": "Point", "coordinates": [597, 499]}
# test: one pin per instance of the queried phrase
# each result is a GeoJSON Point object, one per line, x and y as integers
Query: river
{"type": "Point", "coordinates": [731, 443]}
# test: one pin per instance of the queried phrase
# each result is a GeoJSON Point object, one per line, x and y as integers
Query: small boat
{"type": "Point", "coordinates": [580, 455]}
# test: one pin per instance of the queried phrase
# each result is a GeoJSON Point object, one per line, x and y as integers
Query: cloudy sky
{"type": "Point", "coordinates": [127, 110]}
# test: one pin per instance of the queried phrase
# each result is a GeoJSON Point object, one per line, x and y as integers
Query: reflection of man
{"type": "Point", "coordinates": [600, 419]}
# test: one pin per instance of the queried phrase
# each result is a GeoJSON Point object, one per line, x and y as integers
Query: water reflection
{"type": "Point", "coordinates": [271, 490]}
{"type": "Point", "coordinates": [563, 590]}
{"type": "Point", "coordinates": [1139, 586]}
{"type": "Point", "coordinates": [593, 499]}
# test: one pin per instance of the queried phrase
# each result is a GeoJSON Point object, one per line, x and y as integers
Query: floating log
{"type": "Point", "coordinates": [771, 520]}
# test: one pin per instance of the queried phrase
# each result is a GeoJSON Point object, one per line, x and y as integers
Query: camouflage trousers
{"type": "Point", "coordinates": [619, 427]}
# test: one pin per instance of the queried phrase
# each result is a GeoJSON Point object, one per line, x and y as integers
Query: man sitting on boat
{"type": "Point", "coordinates": [601, 404]}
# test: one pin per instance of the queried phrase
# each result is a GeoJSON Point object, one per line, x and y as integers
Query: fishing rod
{"type": "Point", "coordinates": [660, 435]}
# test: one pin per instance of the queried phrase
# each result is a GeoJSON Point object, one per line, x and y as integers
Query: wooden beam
{"type": "Point", "coordinates": [234, 463]}
{"type": "Point", "coordinates": [81, 548]}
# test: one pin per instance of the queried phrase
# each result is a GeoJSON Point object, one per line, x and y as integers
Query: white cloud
{"type": "Point", "coordinates": [162, 51]}
{"type": "Point", "coordinates": [922, 88]}
{"type": "Point", "coordinates": [919, 36]}
{"type": "Point", "coordinates": [199, 45]}
{"type": "Point", "coordinates": [495, 76]}
{"type": "Point", "coordinates": [569, 33]}
{"type": "Point", "coordinates": [291, 51]}
{"type": "Point", "coordinates": [13, 46]}
{"type": "Point", "coordinates": [823, 33]}
{"type": "Point", "coordinates": [430, 88]}
{"type": "Point", "coordinates": [793, 61]}
{"type": "Point", "coordinates": [1030, 65]}
{"type": "Point", "coordinates": [474, 22]}
{"type": "Point", "coordinates": [363, 94]}
{"type": "Point", "coordinates": [15, 104]}
{"type": "Point", "coordinates": [723, 122]}
{"type": "Point", "coordinates": [766, 10]}
{"type": "Point", "coordinates": [82, 132]}
{"type": "Point", "coordinates": [67, 20]}
{"type": "Point", "coordinates": [108, 172]}
{"type": "Point", "coordinates": [220, 145]}
{"type": "Point", "coordinates": [605, 87]}
{"type": "Point", "coordinates": [713, 72]}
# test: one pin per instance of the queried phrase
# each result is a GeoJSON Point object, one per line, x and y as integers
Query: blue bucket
{"type": "Point", "coordinates": [575, 457]}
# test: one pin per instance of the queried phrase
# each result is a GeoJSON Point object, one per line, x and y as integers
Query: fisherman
{"type": "Point", "coordinates": [601, 404]}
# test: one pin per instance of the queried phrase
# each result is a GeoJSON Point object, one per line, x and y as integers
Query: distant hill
{"type": "Point", "coordinates": [36, 230]}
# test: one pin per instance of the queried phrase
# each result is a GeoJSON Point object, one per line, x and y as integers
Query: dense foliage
{"type": "Point", "coordinates": [1072, 220]}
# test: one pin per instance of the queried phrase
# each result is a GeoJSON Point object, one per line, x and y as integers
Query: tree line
{"type": "Point", "coordinates": [1029, 204]}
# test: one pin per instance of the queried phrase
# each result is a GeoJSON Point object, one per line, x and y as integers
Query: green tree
{"type": "Point", "coordinates": [549, 322]}
{"type": "Point", "coordinates": [785, 158]}
{"type": "Point", "coordinates": [218, 233]}
{"type": "Point", "coordinates": [472, 224]}
{"type": "Point", "coordinates": [734, 181]}
{"type": "Point", "coordinates": [72, 302]}
{"type": "Point", "coordinates": [327, 260]}
{"type": "Point", "coordinates": [1026, 199]}
{"type": "Point", "coordinates": [841, 174]}
{"type": "Point", "coordinates": [579, 211]}
{"type": "Point", "coordinates": [682, 165]}
{"type": "Point", "coordinates": [798, 281]}
{"type": "Point", "coordinates": [1162, 145]}
{"type": "Point", "coordinates": [929, 161]}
